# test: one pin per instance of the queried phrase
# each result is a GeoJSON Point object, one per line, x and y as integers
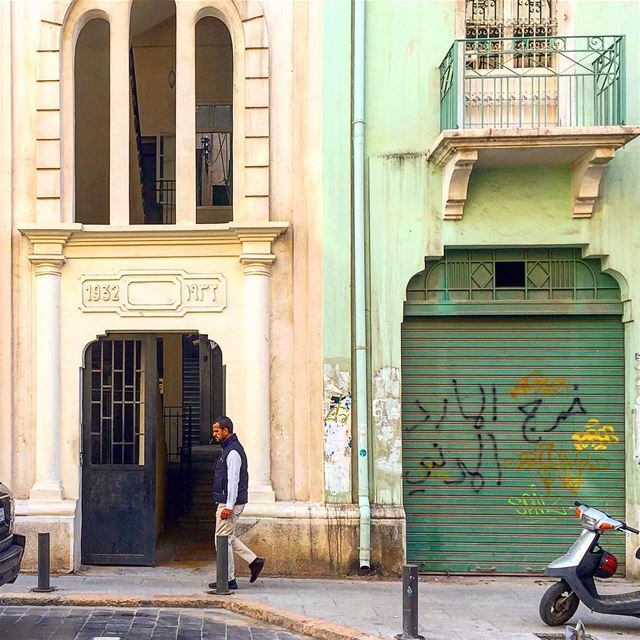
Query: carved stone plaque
{"type": "Point", "coordinates": [153, 293]}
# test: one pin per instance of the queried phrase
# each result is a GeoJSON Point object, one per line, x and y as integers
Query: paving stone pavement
{"type": "Point", "coordinates": [451, 608]}
{"type": "Point", "coordinates": [79, 623]}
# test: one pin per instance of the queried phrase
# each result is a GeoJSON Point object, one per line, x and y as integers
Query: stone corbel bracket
{"type": "Point", "coordinates": [586, 150]}
{"type": "Point", "coordinates": [586, 177]}
{"type": "Point", "coordinates": [455, 182]}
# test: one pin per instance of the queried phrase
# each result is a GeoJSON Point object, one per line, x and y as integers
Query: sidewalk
{"type": "Point", "coordinates": [451, 608]}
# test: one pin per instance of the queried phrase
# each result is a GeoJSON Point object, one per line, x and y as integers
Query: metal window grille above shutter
{"type": "Point", "coordinates": [506, 422]}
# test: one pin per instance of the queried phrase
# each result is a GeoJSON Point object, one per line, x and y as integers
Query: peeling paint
{"type": "Point", "coordinates": [337, 431]}
{"type": "Point", "coordinates": [387, 418]}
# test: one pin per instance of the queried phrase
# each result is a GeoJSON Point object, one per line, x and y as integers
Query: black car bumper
{"type": "Point", "coordinates": [10, 560]}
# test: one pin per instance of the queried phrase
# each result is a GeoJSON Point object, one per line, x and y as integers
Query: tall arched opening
{"type": "Point", "coordinates": [91, 122]}
{"type": "Point", "coordinates": [152, 140]}
{"type": "Point", "coordinates": [148, 402]}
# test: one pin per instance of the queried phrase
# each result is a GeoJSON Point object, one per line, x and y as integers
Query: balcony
{"type": "Point", "coordinates": [531, 100]}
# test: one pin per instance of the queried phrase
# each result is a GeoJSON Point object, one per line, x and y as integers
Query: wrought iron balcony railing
{"type": "Point", "coordinates": [533, 82]}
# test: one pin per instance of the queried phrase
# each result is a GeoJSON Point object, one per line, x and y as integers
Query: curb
{"type": "Point", "coordinates": [289, 620]}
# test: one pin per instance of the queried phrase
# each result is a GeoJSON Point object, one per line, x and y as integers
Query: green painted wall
{"type": "Point", "coordinates": [336, 227]}
{"type": "Point", "coordinates": [511, 206]}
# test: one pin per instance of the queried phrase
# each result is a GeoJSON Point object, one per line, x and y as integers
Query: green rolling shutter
{"type": "Point", "coordinates": [506, 422]}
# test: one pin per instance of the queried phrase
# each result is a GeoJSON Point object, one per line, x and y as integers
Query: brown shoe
{"type": "Point", "coordinates": [256, 568]}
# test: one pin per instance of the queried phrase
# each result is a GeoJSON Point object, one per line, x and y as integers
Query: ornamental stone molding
{"type": "Point", "coordinates": [47, 245]}
{"type": "Point", "coordinates": [153, 293]}
{"type": "Point", "coordinates": [586, 150]}
{"type": "Point", "coordinates": [53, 240]}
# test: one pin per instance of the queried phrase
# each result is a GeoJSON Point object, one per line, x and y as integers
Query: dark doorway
{"type": "Point", "coordinates": [190, 403]}
{"type": "Point", "coordinates": [151, 206]}
{"type": "Point", "coordinates": [148, 404]}
{"type": "Point", "coordinates": [120, 403]}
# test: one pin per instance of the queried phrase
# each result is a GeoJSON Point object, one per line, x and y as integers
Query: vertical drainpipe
{"type": "Point", "coordinates": [361, 393]}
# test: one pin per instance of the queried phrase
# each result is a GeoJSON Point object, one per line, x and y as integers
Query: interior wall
{"type": "Point", "coordinates": [172, 365]}
{"type": "Point", "coordinates": [214, 62]}
{"type": "Point", "coordinates": [154, 54]}
{"type": "Point", "coordinates": [92, 123]}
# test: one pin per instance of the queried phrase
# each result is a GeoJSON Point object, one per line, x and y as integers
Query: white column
{"type": "Point", "coordinates": [119, 108]}
{"type": "Point", "coordinates": [257, 427]}
{"type": "Point", "coordinates": [185, 114]}
{"type": "Point", "coordinates": [48, 424]}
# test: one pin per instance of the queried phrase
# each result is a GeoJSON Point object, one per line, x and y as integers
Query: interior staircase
{"type": "Point", "coordinates": [191, 393]}
{"type": "Point", "coordinates": [202, 515]}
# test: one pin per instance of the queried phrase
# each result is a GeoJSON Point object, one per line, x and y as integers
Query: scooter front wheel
{"type": "Point", "coordinates": [558, 604]}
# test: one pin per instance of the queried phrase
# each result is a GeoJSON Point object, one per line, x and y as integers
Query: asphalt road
{"type": "Point", "coordinates": [83, 623]}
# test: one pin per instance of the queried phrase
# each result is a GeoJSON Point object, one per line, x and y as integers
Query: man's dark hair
{"type": "Point", "coordinates": [225, 423]}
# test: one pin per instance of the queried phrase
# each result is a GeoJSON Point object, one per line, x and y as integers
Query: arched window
{"type": "Point", "coordinates": [91, 81]}
{"type": "Point", "coordinates": [214, 122]}
{"type": "Point", "coordinates": [152, 144]}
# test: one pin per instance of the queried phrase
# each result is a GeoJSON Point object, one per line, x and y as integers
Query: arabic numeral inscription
{"type": "Point", "coordinates": [201, 292]}
{"type": "Point", "coordinates": [100, 292]}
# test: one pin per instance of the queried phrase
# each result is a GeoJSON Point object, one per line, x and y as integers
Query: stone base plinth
{"type": "Point", "coordinates": [54, 517]}
{"type": "Point", "coordinates": [321, 540]}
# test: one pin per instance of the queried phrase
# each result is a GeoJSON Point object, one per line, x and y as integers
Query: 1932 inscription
{"type": "Point", "coordinates": [101, 292]}
{"type": "Point", "coordinates": [157, 293]}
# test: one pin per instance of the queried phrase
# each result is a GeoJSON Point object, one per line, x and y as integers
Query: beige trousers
{"type": "Point", "coordinates": [228, 528]}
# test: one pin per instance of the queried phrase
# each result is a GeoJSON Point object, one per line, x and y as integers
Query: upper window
{"type": "Point", "coordinates": [152, 78]}
{"type": "Point", "coordinates": [91, 104]}
{"type": "Point", "coordinates": [511, 19]}
{"type": "Point", "coordinates": [214, 122]}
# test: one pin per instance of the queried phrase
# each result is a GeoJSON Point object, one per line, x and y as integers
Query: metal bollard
{"type": "Point", "coordinates": [222, 565]}
{"type": "Point", "coordinates": [409, 603]}
{"type": "Point", "coordinates": [44, 585]}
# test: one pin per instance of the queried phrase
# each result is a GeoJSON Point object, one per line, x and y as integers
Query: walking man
{"type": "Point", "coordinates": [230, 493]}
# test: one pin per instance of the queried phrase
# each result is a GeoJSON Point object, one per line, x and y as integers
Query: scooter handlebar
{"type": "Point", "coordinates": [625, 526]}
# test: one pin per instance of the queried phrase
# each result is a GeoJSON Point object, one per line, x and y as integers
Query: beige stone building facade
{"type": "Point", "coordinates": [159, 245]}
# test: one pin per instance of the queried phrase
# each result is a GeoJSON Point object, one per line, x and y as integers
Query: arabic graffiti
{"type": "Point", "coordinates": [533, 505]}
{"type": "Point", "coordinates": [463, 438]}
{"type": "Point", "coordinates": [530, 410]}
{"type": "Point", "coordinates": [453, 469]}
{"type": "Point", "coordinates": [595, 435]}
{"type": "Point", "coordinates": [552, 465]}
{"type": "Point", "coordinates": [539, 384]}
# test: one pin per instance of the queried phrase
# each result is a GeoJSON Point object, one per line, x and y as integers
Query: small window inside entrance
{"type": "Point", "coordinates": [510, 274]}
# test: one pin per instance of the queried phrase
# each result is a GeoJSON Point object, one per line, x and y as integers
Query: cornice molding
{"type": "Point", "coordinates": [78, 235]}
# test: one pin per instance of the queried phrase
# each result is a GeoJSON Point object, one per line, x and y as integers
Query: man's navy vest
{"type": "Point", "coordinates": [220, 472]}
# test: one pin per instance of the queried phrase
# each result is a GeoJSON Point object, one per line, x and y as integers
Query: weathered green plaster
{"type": "Point", "coordinates": [534, 202]}
{"type": "Point", "coordinates": [506, 206]}
{"type": "Point", "coordinates": [336, 232]}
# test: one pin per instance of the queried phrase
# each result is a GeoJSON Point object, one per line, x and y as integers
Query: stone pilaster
{"type": "Point", "coordinates": [257, 312]}
{"type": "Point", "coordinates": [47, 258]}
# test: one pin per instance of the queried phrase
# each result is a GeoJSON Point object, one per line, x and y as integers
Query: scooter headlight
{"type": "Point", "coordinates": [588, 522]}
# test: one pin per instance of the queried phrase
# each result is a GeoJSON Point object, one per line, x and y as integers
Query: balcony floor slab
{"type": "Point", "coordinates": [587, 150]}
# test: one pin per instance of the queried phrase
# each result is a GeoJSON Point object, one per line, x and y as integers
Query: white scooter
{"type": "Point", "coordinates": [576, 569]}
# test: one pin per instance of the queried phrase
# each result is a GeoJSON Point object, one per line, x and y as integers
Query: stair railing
{"type": "Point", "coordinates": [185, 459]}
{"type": "Point", "coordinates": [136, 119]}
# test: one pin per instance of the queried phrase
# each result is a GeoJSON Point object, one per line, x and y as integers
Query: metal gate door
{"type": "Point", "coordinates": [118, 453]}
{"type": "Point", "coordinates": [506, 422]}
